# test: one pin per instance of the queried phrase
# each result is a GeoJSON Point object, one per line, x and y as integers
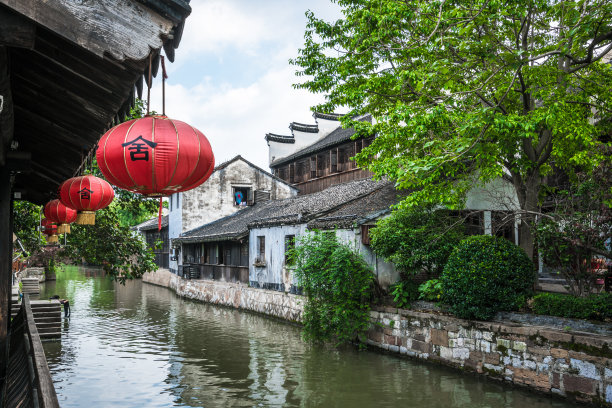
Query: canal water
{"type": "Point", "coordinates": [140, 345]}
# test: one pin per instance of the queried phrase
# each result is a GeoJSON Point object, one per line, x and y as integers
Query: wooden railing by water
{"type": "Point", "coordinates": [28, 382]}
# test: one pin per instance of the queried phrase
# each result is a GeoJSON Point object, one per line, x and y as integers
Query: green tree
{"type": "Point", "coordinates": [26, 219]}
{"type": "Point", "coordinates": [464, 92]}
{"type": "Point", "coordinates": [417, 240]}
{"type": "Point", "coordinates": [121, 252]}
{"type": "Point", "coordinates": [337, 283]}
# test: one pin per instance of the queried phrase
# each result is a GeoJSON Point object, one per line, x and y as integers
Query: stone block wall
{"type": "Point", "coordinates": [278, 304]}
{"type": "Point", "coordinates": [570, 364]}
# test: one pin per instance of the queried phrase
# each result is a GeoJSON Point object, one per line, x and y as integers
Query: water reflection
{"type": "Point", "coordinates": [140, 345]}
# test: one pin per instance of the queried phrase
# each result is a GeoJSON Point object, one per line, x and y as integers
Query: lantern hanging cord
{"type": "Point", "coordinates": [164, 77]}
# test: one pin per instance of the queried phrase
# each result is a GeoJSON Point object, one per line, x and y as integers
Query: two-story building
{"type": "Point", "coordinates": [234, 186]}
{"type": "Point", "coordinates": [317, 156]}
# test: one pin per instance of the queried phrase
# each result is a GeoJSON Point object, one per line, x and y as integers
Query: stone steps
{"type": "Point", "coordinates": [30, 285]}
{"type": "Point", "coordinates": [48, 317]}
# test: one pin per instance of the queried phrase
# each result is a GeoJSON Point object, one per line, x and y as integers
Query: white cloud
{"type": "Point", "coordinates": [235, 120]}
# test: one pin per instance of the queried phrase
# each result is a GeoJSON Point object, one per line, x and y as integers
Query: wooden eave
{"type": "Point", "coordinates": [70, 69]}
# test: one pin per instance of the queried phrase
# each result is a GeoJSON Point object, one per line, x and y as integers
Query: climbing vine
{"type": "Point", "coordinates": [338, 284]}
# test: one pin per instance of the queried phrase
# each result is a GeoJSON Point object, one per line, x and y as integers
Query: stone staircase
{"type": "Point", "coordinates": [30, 285]}
{"type": "Point", "coordinates": [48, 318]}
{"type": "Point", "coordinates": [15, 302]}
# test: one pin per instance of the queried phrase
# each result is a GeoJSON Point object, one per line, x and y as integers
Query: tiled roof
{"type": "Point", "coordinates": [277, 212]}
{"type": "Point", "coordinates": [272, 137]}
{"type": "Point", "coordinates": [302, 127]}
{"type": "Point", "coordinates": [327, 116]}
{"type": "Point", "coordinates": [151, 224]}
{"type": "Point", "coordinates": [360, 210]}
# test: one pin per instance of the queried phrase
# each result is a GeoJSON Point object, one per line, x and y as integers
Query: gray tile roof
{"type": "Point", "coordinates": [151, 224]}
{"type": "Point", "coordinates": [360, 210]}
{"type": "Point", "coordinates": [277, 212]}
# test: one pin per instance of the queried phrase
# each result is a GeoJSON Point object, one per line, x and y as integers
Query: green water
{"type": "Point", "coordinates": [140, 345]}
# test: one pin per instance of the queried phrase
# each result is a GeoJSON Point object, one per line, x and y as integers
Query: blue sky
{"type": "Point", "coordinates": [231, 78]}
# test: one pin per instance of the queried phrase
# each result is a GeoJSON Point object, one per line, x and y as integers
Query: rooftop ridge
{"type": "Point", "coordinates": [327, 116]}
{"type": "Point", "coordinates": [303, 127]}
{"type": "Point", "coordinates": [273, 137]}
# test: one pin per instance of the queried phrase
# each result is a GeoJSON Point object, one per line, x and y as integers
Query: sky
{"type": "Point", "coordinates": [231, 78]}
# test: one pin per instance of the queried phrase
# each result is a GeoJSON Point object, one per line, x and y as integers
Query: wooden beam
{"type": "Point", "coordinates": [6, 106]}
{"type": "Point", "coordinates": [16, 31]}
{"type": "Point", "coordinates": [123, 28]}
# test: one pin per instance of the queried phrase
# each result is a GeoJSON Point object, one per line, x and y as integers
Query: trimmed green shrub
{"type": "Point", "coordinates": [595, 306]}
{"type": "Point", "coordinates": [404, 293]}
{"type": "Point", "coordinates": [431, 290]}
{"type": "Point", "coordinates": [484, 275]}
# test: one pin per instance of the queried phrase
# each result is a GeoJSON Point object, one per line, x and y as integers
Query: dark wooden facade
{"type": "Point", "coordinates": [324, 168]}
{"type": "Point", "coordinates": [159, 243]}
{"type": "Point", "coordinates": [226, 261]}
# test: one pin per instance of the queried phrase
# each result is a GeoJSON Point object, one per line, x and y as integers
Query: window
{"type": "Point", "coordinates": [289, 245]}
{"type": "Point", "coordinates": [313, 167]}
{"type": "Point", "coordinates": [292, 173]}
{"type": "Point", "coordinates": [365, 234]}
{"type": "Point", "coordinates": [334, 160]}
{"type": "Point", "coordinates": [242, 196]}
{"type": "Point", "coordinates": [261, 249]}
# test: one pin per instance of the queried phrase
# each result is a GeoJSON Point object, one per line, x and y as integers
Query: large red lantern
{"type": "Point", "coordinates": [86, 194]}
{"type": "Point", "coordinates": [50, 230]}
{"type": "Point", "coordinates": [60, 214]}
{"type": "Point", "coordinates": [155, 156]}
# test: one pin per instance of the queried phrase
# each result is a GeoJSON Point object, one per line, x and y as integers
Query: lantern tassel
{"type": "Point", "coordinates": [159, 217]}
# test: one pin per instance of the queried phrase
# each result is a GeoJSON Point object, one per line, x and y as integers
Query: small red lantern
{"type": "Point", "coordinates": [86, 194]}
{"type": "Point", "coordinates": [155, 156]}
{"type": "Point", "coordinates": [60, 214]}
{"type": "Point", "coordinates": [50, 230]}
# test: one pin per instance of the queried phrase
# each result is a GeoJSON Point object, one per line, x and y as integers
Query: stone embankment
{"type": "Point", "coordinates": [570, 364]}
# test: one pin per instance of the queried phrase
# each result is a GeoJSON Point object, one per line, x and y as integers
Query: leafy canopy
{"type": "Point", "coordinates": [467, 90]}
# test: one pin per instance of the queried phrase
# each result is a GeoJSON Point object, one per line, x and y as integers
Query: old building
{"type": "Point", "coordinates": [157, 239]}
{"type": "Point", "coordinates": [318, 156]}
{"type": "Point", "coordinates": [233, 186]}
{"type": "Point", "coordinates": [250, 246]}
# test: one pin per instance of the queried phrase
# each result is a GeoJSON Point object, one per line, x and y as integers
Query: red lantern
{"type": "Point", "coordinates": [86, 194]}
{"type": "Point", "coordinates": [155, 156]}
{"type": "Point", "coordinates": [50, 230]}
{"type": "Point", "coordinates": [60, 214]}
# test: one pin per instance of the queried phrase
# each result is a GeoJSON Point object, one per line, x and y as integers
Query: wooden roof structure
{"type": "Point", "coordinates": [68, 71]}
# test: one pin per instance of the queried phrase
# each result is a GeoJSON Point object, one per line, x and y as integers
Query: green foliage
{"type": "Point", "coordinates": [595, 306]}
{"type": "Point", "coordinates": [417, 239]}
{"type": "Point", "coordinates": [26, 218]}
{"type": "Point", "coordinates": [337, 283]}
{"type": "Point", "coordinates": [404, 293]}
{"type": "Point", "coordinates": [463, 93]}
{"type": "Point", "coordinates": [122, 253]}
{"type": "Point", "coordinates": [484, 275]}
{"type": "Point", "coordinates": [576, 234]}
{"type": "Point", "coordinates": [431, 290]}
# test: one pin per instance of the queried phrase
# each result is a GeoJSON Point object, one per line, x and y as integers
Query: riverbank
{"type": "Point", "coordinates": [570, 364]}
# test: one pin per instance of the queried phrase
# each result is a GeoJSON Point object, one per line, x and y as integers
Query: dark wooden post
{"type": "Point", "coordinates": [6, 245]}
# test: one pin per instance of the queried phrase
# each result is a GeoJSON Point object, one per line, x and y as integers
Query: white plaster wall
{"type": "Point", "coordinates": [175, 223]}
{"type": "Point", "coordinates": [303, 139]}
{"type": "Point", "coordinates": [498, 195]}
{"type": "Point", "coordinates": [326, 126]}
{"type": "Point", "coordinates": [277, 150]}
{"type": "Point", "coordinates": [213, 199]}
{"type": "Point", "coordinates": [274, 272]}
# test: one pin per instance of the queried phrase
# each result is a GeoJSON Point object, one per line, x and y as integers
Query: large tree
{"type": "Point", "coordinates": [466, 91]}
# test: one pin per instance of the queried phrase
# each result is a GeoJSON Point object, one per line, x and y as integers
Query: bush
{"type": "Point", "coordinates": [596, 306]}
{"type": "Point", "coordinates": [484, 275]}
{"type": "Point", "coordinates": [338, 285]}
{"type": "Point", "coordinates": [431, 290]}
{"type": "Point", "coordinates": [404, 293]}
{"type": "Point", "coordinates": [417, 240]}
